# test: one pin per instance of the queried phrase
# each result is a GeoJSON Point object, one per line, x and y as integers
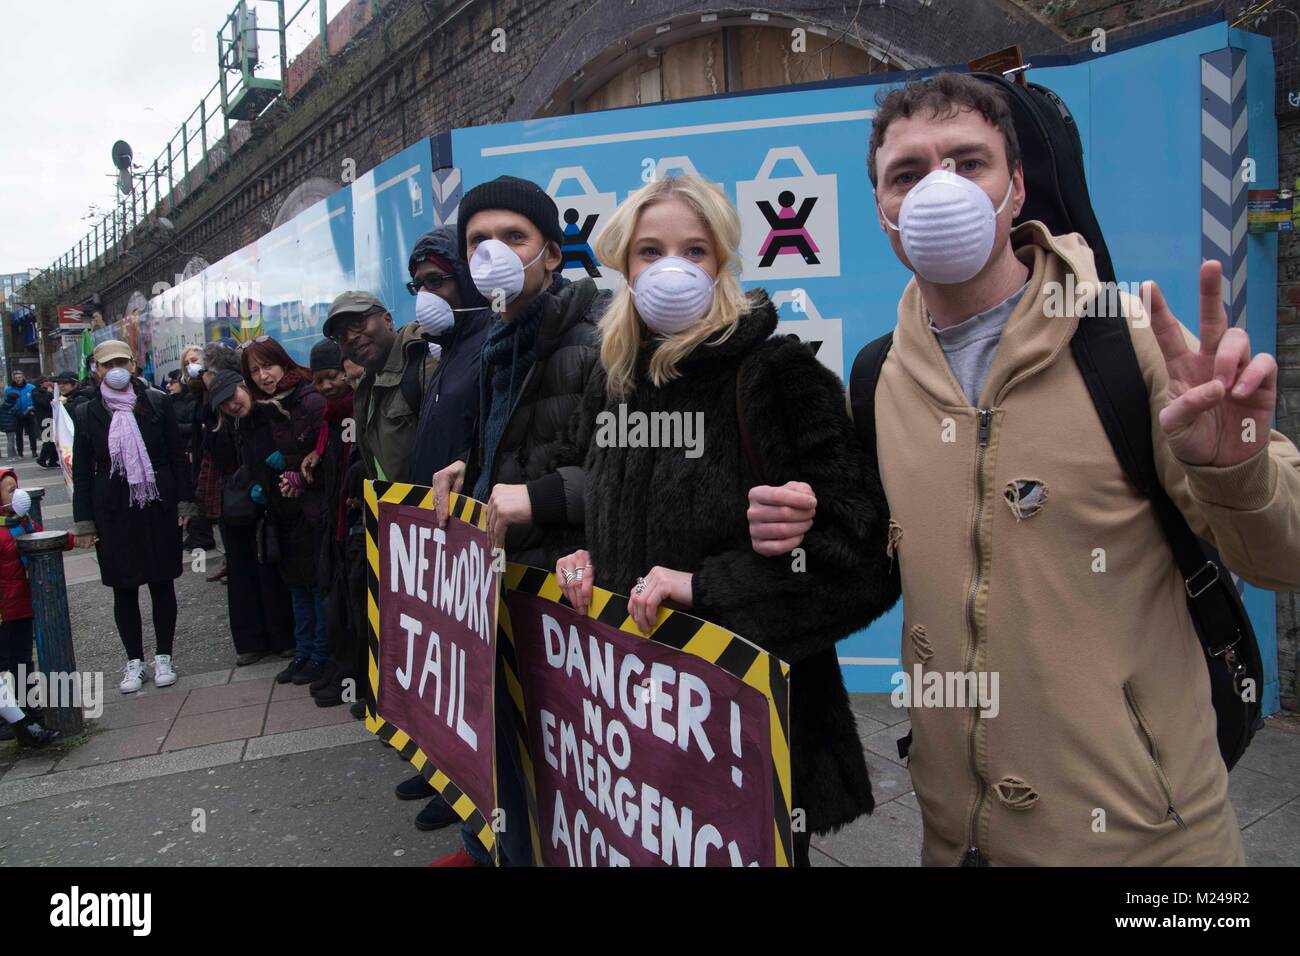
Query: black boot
{"type": "Point", "coordinates": [328, 676]}
{"type": "Point", "coordinates": [32, 734]}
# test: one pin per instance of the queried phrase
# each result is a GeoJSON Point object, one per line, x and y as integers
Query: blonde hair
{"type": "Point", "coordinates": [185, 368]}
{"type": "Point", "coordinates": [621, 329]}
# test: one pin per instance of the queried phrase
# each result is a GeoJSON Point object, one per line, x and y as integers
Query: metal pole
{"type": "Point", "coordinates": [284, 51]}
{"type": "Point", "coordinates": [171, 185]}
{"type": "Point", "coordinates": [185, 158]}
{"type": "Point", "coordinates": [203, 136]}
{"type": "Point", "coordinates": [44, 553]}
{"type": "Point", "coordinates": [324, 33]}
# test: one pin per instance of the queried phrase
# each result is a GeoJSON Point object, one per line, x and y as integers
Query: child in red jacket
{"type": "Point", "coordinates": [16, 615]}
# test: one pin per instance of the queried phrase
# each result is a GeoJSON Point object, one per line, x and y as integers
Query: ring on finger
{"type": "Point", "coordinates": [640, 585]}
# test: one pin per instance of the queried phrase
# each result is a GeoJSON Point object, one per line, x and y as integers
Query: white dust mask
{"type": "Point", "coordinates": [118, 378]}
{"type": "Point", "coordinates": [947, 225]}
{"type": "Point", "coordinates": [194, 370]}
{"type": "Point", "coordinates": [433, 313]}
{"type": "Point", "coordinates": [495, 265]}
{"type": "Point", "coordinates": [672, 294]}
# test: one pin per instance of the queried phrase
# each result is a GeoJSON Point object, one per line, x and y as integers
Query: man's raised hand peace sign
{"type": "Point", "coordinates": [1221, 401]}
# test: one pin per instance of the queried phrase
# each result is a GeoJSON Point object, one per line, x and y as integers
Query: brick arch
{"type": "Point", "coordinates": [909, 31]}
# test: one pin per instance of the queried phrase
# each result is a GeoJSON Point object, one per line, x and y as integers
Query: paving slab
{"type": "Point", "coordinates": [139, 710]}
{"type": "Point", "coordinates": [888, 779]}
{"type": "Point", "coordinates": [302, 713]}
{"type": "Point", "coordinates": [884, 742]}
{"type": "Point", "coordinates": [1275, 839]}
{"type": "Point", "coordinates": [266, 667]}
{"type": "Point", "coordinates": [207, 700]}
{"type": "Point", "coordinates": [290, 691]}
{"type": "Point", "coordinates": [817, 858]}
{"type": "Point", "coordinates": [219, 725]}
{"type": "Point", "coordinates": [1255, 795]}
{"type": "Point", "coordinates": [891, 836]}
{"type": "Point", "coordinates": [1275, 752]}
{"type": "Point", "coordinates": [877, 707]}
{"type": "Point", "coordinates": [110, 745]}
{"type": "Point", "coordinates": [29, 767]}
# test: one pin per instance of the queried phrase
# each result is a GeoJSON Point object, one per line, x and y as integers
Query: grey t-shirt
{"type": "Point", "coordinates": [971, 344]}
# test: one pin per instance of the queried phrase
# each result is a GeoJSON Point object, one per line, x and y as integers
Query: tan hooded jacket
{"type": "Point", "coordinates": [1103, 747]}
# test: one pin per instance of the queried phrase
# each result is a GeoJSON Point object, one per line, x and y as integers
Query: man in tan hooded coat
{"type": "Point", "coordinates": [1024, 551]}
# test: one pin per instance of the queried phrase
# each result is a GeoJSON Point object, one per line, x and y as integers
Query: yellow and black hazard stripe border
{"type": "Point", "coordinates": [750, 664]}
{"type": "Point", "coordinates": [473, 512]}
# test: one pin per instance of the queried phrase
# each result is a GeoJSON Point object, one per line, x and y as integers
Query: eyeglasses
{"type": "Point", "coordinates": [431, 282]}
{"type": "Point", "coordinates": [353, 322]}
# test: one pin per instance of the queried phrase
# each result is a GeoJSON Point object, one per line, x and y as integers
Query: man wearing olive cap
{"type": "Point", "coordinates": [398, 368]}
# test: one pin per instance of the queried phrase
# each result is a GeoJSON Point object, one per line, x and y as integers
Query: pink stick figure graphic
{"type": "Point", "coordinates": [787, 233]}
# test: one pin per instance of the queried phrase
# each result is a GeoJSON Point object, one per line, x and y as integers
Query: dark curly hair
{"type": "Point", "coordinates": [943, 96]}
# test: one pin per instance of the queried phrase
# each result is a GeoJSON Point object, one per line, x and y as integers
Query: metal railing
{"type": "Point", "coordinates": [201, 144]}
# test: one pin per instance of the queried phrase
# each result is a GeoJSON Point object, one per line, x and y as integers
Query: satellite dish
{"type": "Point", "coordinates": [122, 160]}
{"type": "Point", "coordinates": [122, 154]}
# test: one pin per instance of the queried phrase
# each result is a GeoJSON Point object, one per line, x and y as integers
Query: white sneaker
{"type": "Point", "coordinates": [132, 676]}
{"type": "Point", "coordinates": [163, 673]}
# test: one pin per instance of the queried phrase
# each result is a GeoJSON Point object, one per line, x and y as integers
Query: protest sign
{"type": "Point", "coordinates": [670, 749]}
{"type": "Point", "coordinates": [432, 606]}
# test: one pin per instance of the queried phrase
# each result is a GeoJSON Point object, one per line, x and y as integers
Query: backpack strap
{"type": "Point", "coordinates": [862, 388]}
{"type": "Point", "coordinates": [1105, 355]}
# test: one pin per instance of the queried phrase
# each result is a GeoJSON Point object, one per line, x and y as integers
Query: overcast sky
{"type": "Point", "coordinates": [76, 76]}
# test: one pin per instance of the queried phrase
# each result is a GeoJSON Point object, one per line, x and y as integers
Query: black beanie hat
{"type": "Point", "coordinates": [326, 354]}
{"type": "Point", "coordinates": [517, 195]}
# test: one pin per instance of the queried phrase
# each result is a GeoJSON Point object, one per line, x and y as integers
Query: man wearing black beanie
{"type": "Point", "coordinates": [541, 350]}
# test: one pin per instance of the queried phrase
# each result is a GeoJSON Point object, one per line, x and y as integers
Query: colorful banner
{"type": "Point", "coordinates": [666, 750]}
{"type": "Point", "coordinates": [432, 615]}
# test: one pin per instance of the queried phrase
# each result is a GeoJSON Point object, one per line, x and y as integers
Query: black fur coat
{"type": "Point", "coordinates": [656, 506]}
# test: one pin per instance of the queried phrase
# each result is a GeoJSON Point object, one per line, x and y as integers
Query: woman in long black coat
{"type": "Point", "coordinates": [129, 500]}
{"type": "Point", "coordinates": [261, 614]}
{"type": "Point", "coordinates": [668, 525]}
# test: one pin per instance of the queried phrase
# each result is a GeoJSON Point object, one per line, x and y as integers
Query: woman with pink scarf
{"type": "Point", "coordinates": [131, 496]}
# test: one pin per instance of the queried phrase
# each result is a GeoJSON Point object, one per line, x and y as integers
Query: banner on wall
{"type": "Point", "coordinates": [662, 750]}
{"type": "Point", "coordinates": [432, 622]}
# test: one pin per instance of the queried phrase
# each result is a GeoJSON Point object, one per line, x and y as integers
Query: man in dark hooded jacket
{"type": "Point", "coordinates": [454, 318]}
{"type": "Point", "coordinates": [456, 328]}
